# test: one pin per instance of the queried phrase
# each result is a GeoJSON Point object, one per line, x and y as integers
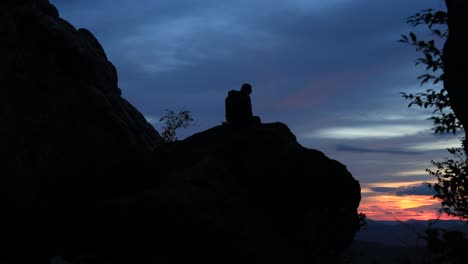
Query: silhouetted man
{"type": "Point", "coordinates": [239, 107]}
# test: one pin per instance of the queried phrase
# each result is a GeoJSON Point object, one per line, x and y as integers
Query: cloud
{"type": "Point", "coordinates": [305, 59]}
{"type": "Point", "coordinates": [436, 144]}
{"type": "Point", "coordinates": [368, 131]}
{"type": "Point", "coordinates": [403, 190]}
{"type": "Point", "coordinates": [411, 173]}
{"type": "Point", "coordinates": [370, 150]}
{"type": "Point", "coordinates": [420, 189]}
{"type": "Point", "coordinates": [391, 207]}
{"type": "Point", "coordinates": [316, 92]}
{"type": "Point", "coordinates": [383, 189]}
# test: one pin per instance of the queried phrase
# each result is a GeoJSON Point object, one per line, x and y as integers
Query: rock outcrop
{"type": "Point", "coordinates": [66, 134]}
{"type": "Point", "coordinates": [230, 196]}
{"type": "Point", "coordinates": [86, 177]}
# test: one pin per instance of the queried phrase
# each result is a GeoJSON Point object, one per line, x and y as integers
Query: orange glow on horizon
{"type": "Point", "coordinates": [379, 204]}
{"type": "Point", "coordinates": [387, 207]}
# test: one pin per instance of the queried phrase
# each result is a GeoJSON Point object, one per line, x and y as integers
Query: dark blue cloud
{"type": "Point", "coordinates": [383, 189]}
{"type": "Point", "coordinates": [284, 50]}
{"type": "Point", "coordinates": [420, 189]}
{"type": "Point", "coordinates": [370, 150]}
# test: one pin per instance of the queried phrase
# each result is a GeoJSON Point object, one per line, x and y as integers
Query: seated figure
{"type": "Point", "coordinates": [239, 107]}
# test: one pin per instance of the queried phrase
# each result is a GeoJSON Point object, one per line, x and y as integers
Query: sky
{"type": "Point", "coordinates": [331, 70]}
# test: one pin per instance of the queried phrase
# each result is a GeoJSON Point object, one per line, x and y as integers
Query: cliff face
{"type": "Point", "coordinates": [84, 174]}
{"type": "Point", "coordinates": [66, 133]}
{"type": "Point", "coordinates": [58, 88]}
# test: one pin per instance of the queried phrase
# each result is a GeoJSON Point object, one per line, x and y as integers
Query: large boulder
{"type": "Point", "coordinates": [229, 195]}
{"type": "Point", "coordinates": [66, 134]}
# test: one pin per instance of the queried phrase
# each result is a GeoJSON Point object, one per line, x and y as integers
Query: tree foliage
{"type": "Point", "coordinates": [452, 182]}
{"type": "Point", "coordinates": [173, 121]}
{"type": "Point", "coordinates": [451, 173]}
{"type": "Point", "coordinates": [443, 118]}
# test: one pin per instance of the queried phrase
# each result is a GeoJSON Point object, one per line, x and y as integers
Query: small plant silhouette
{"type": "Point", "coordinates": [173, 121]}
{"type": "Point", "coordinates": [362, 222]}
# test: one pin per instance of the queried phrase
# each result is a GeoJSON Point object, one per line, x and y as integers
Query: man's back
{"type": "Point", "coordinates": [238, 108]}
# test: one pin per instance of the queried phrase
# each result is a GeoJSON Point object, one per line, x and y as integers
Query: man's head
{"type": "Point", "coordinates": [246, 88]}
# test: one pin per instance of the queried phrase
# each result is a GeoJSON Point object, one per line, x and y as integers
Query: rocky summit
{"type": "Point", "coordinates": [228, 195]}
{"type": "Point", "coordinates": [87, 178]}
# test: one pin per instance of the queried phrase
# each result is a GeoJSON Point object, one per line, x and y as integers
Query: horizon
{"type": "Point", "coordinates": [330, 71]}
{"type": "Point", "coordinates": [422, 220]}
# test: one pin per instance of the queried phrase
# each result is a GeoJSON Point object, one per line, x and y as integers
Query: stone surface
{"type": "Point", "coordinates": [231, 196]}
{"type": "Point", "coordinates": [66, 134]}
